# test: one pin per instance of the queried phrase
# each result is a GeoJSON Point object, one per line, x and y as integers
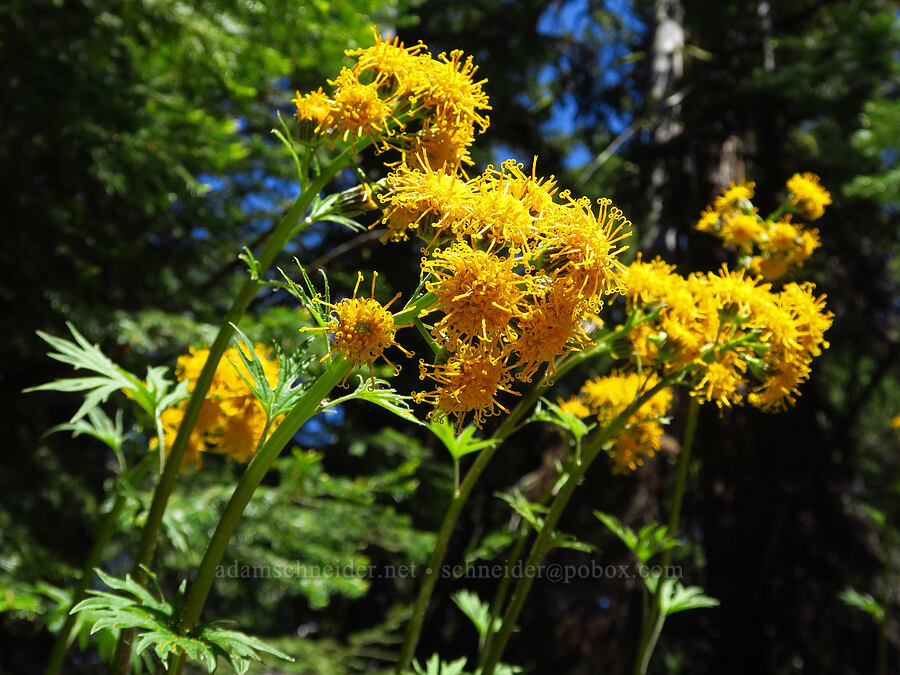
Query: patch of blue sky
{"type": "Point", "coordinates": [578, 157]}
{"type": "Point", "coordinates": [502, 152]}
{"type": "Point", "coordinates": [318, 431]}
{"type": "Point", "coordinates": [565, 17]}
{"type": "Point", "coordinates": [573, 17]}
{"type": "Point", "coordinates": [211, 183]}
{"type": "Point", "coordinates": [624, 11]}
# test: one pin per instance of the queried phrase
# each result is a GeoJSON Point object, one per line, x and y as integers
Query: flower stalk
{"type": "Point", "coordinates": [290, 224]}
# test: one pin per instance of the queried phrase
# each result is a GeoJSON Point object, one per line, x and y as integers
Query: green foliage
{"type": "Point", "coordinates": [313, 534]}
{"type": "Point", "coordinates": [157, 619]}
{"type": "Point", "coordinates": [153, 396]}
{"type": "Point", "coordinates": [647, 542]}
{"type": "Point", "coordinates": [370, 651]}
{"type": "Point", "coordinates": [288, 389]}
{"type": "Point", "coordinates": [99, 425]}
{"type": "Point", "coordinates": [533, 515]}
{"type": "Point", "coordinates": [436, 666]}
{"type": "Point", "coordinates": [477, 611]}
{"type": "Point", "coordinates": [381, 394]}
{"type": "Point", "coordinates": [877, 141]}
{"type": "Point", "coordinates": [864, 602]}
{"type": "Point", "coordinates": [462, 444]}
{"type": "Point", "coordinates": [547, 411]}
{"type": "Point", "coordinates": [674, 597]}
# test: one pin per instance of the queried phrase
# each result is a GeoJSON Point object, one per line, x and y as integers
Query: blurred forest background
{"type": "Point", "coordinates": [136, 159]}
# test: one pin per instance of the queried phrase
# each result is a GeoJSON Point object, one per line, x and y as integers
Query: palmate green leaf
{"type": "Point", "coordinates": [287, 391]}
{"type": "Point", "coordinates": [649, 541]}
{"type": "Point", "coordinates": [491, 545]}
{"type": "Point", "coordinates": [81, 354]}
{"type": "Point", "coordinates": [675, 597]}
{"type": "Point", "coordinates": [478, 611]}
{"type": "Point", "coordinates": [380, 393]}
{"type": "Point", "coordinates": [308, 297]}
{"type": "Point", "coordinates": [435, 666]}
{"type": "Point", "coordinates": [863, 602]}
{"type": "Point", "coordinates": [462, 444]}
{"type": "Point", "coordinates": [157, 619]}
{"type": "Point", "coordinates": [547, 411]}
{"type": "Point", "coordinates": [99, 425]}
{"type": "Point", "coordinates": [153, 395]}
{"type": "Point", "coordinates": [530, 512]}
{"type": "Point", "coordinates": [240, 649]}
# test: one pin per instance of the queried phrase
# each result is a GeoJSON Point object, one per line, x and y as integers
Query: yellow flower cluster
{"type": "Point", "coordinates": [427, 108]}
{"type": "Point", "coordinates": [515, 267]}
{"type": "Point", "coordinates": [232, 420]}
{"type": "Point", "coordinates": [607, 397]}
{"type": "Point", "coordinates": [741, 341]}
{"type": "Point", "coordinates": [772, 247]}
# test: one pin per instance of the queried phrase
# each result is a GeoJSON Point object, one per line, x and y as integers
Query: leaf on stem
{"type": "Point", "coordinates": [157, 620]}
{"type": "Point", "coordinates": [649, 541]}
{"type": "Point", "coordinates": [462, 444]}
{"type": "Point", "coordinates": [381, 394]}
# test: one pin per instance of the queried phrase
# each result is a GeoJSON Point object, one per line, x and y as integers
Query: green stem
{"type": "Point", "coordinates": [436, 559]}
{"type": "Point", "coordinates": [544, 541]}
{"type": "Point", "coordinates": [432, 570]}
{"type": "Point", "coordinates": [108, 527]}
{"type": "Point", "coordinates": [257, 469]}
{"type": "Point", "coordinates": [286, 229]}
{"type": "Point", "coordinates": [503, 588]}
{"type": "Point", "coordinates": [262, 461]}
{"type": "Point", "coordinates": [653, 638]}
{"type": "Point", "coordinates": [652, 616]}
{"type": "Point", "coordinates": [886, 581]}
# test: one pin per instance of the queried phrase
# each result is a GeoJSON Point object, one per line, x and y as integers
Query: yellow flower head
{"type": "Point", "coordinates": [741, 230]}
{"type": "Point", "coordinates": [315, 108]}
{"type": "Point", "coordinates": [361, 329]}
{"type": "Point", "coordinates": [499, 218]}
{"type": "Point", "coordinates": [440, 143]}
{"type": "Point", "coordinates": [808, 194]}
{"type": "Point", "coordinates": [436, 198]}
{"type": "Point", "coordinates": [479, 292]}
{"type": "Point", "coordinates": [469, 381]}
{"type": "Point", "coordinates": [392, 64]}
{"type": "Point", "coordinates": [448, 90]}
{"type": "Point", "coordinates": [810, 317]}
{"type": "Point", "coordinates": [609, 396]}
{"type": "Point", "coordinates": [585, 248]}
{"type": "Point", "coordinates": [550, 327]}
{"type": "Point", "coordinates": [536, 193]}
{"type": "Point", "coordinates": [782, 237]}
{"type": "Point", "coordinates": [721, 381]}
{"type": "Point", "coordinates": [574, 405]}
{"type": "Point", "coordinates": [779, 390]}
{"type": "Point", "coordinates": [709, 220]}
{"type": "Point", "coordinates": [358, 109]}
{"type": "Point", "coordinates": [735, 196]}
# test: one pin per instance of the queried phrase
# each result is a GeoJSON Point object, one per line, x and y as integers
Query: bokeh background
{"type": "Point", "coordinates": [136, 159]}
